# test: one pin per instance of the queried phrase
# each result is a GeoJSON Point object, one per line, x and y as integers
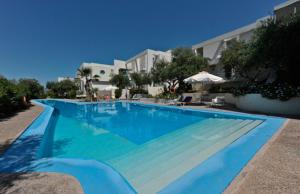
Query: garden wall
{"type": "Point", "coordinates": [257, 103]}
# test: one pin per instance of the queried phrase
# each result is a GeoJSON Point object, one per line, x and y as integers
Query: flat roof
{"type": "Point", "coordinates": [285, 4]}
{"type": "Point", "coordinates": [230, 34]}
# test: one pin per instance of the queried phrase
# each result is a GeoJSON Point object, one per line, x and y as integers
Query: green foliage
{"type": "Point", "coordinates": [120, 80]}
{"type": "Point", "coordinates": [9, 99]}
{"type": "Point", "coordinates": [30, 88]}
{"type": "Point", "coordinates": [134, 91]}
{"type": "Point", "coordinates": [167, 95]}
{"type": "Point", "coordinates": [276, 45]}
{"type": "Point", "coordinates": [118, 93]}
{"type": "Point", "coordinates": [140, 79]}
{"type": "Point", "coordinates": [281, 91]}
{"type": "Point", "coordinates": [269, 62]}
{"type": "Point", "coordinates": [235, 59]}
{"type": "Point", "coordinates": [86, 73]}
{"type": "Point", "coordinates": [63, 89]}
{"type": "Point", "coordinates": [275, 90]}
{"type": "Point", "coordinates": [16, 95]}
{"type": "Point", "coordinates": [184, 64]}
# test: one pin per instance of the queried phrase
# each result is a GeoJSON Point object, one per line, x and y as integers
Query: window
{"type": "Point", "coordinates": [200, 51]}
{"type": "Point", "coordinates": [102, 72]}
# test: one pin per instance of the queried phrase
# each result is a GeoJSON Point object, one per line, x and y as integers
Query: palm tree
{"type": "Point", "coordinates": [86, 73]}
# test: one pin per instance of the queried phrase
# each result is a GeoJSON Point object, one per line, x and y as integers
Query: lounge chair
{"type": "Point", "coordinates": [136, 97]}
{"type": "Point", "coordinates": [217, 101]}
{"type": "Point", "coordinates": [185, 101]}
{"type": "Point", "coordinates": [174, 101]}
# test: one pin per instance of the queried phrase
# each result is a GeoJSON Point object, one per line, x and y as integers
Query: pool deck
{"type": "Point", "coordinates": [10, 129]}
{"type": "Point", "coordinates": [274, 169]}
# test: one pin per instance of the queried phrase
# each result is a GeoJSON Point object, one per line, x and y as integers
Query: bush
{"type": "Point", "coordinates": [16, 95]}
{"type": "Point", "coordinates": [118, 93]}
{"type": "Point", "coordinates": [134, 91]}
{"type": "Point", "coordinates": [30, 88]}
{"type": "Point", "coordinates": [167, 95]}
{"type": "Point", "coordinates": [9, 99]}
{"type": "Point", "coordinates": [63, 89]}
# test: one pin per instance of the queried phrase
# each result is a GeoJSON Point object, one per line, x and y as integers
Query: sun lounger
{"type": "Point", "coordinates": [217, 101]}
{"type": "Point", "coordinates": [185, 101]}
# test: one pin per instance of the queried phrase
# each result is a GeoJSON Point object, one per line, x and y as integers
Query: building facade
{"type": "Point", "coordinates": [60, 79]}
{"type": "Point", "coordinates": [287, 8]}
{"type": "Point", "coordinates": [143, 62]}
{"type": "Point", "coordinates": [100, 74]}
{"type": "Point", "coordinates": [212, 49]}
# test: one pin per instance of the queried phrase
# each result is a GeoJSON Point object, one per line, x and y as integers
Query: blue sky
{"type": "Point", "coordinates": [47, 39]}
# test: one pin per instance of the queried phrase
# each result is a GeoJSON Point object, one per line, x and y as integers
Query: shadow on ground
{"type": "Point", "coordinates": [19, 159]}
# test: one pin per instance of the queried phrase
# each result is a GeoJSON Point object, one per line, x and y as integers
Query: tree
{"type": "Point", "coordinates": [236, 59]}
{"type": "Point", "coordinates": [276, 46]}
{"type": "Point", "coordinates": [63, 89]}
{"type": "Point", "coordinates": [86, 73]}
{"type": "Point", "coordinates": [184, 64]}
{"type": "Point", "coordinates": [120, 80]}
{"type": "Point", "coordinates": [30, 89]}
{"type": "Point", "coordinates": [140, 79]}
{"type": "Point", "coordinates": [13, 93]}
{"type": "Point", "coordinates": [9, 99]}
{"type": "Point", "coordinates": [270, 56]}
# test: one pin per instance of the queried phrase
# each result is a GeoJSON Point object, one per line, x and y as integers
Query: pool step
{"type": "Point", "coordinates": [163, 140]}
{"type": "Point", "coordinates": [188, 148]}
{"type": "Point", "coordinates": [170, 174]}
{"type": "Point", "coordinates": [132, 165]}
{"type": "Point", "coordinates": [188, 151]}
{"type": "Point", "coordinates": [161, 145]}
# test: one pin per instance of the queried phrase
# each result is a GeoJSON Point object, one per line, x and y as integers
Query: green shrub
{"type": "Point", "coordinates": [10, 98]}
{"type": "Point", "coordinates": [167, 95]}
{"type": "Point", "coordinates": [63, 89]}
{"type": "Point", "coordinates": [118, 93]}
{"type": "Point", "coordinates": [134, 91]}
{"type": "Point", "coordinates": [13, 94]}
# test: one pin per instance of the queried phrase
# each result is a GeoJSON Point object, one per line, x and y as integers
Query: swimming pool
{"type": "Point", "coordinates": [152, 147]}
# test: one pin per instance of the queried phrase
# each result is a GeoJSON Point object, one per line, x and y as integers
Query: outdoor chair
{"type": "Point", "coordinates": [185, 101]}
{"type": "Point", "coordinates": [217, 101]}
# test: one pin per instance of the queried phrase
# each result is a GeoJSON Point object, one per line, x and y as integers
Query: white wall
{"type": "Point", "coordinates": [256, 103]}
{"type": "Point", "coordinates": [209, 51]}
{"type": "Point", "coordinates": [155, 90]}
{"type": "Point", "coordinates": [144, 60]}
{"type": "Point", "coordinates": [97, 68]}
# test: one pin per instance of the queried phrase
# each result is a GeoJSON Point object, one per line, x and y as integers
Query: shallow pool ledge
{"type": "Point", "coordinates": [217, 172]}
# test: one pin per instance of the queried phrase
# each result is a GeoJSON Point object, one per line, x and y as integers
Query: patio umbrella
{"type": "Point", "coordinates": [204, 77]}
{"type": "Point", "coordinates": [109, 88]}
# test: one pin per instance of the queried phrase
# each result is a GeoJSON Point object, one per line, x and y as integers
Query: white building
{"type": "Point", "coordinates": [103, 72]}
{"type": "Point", "coordinates": [60, 79]}
{"type": "Point", "coordinates": [212, 48]}
{"type": "Point", "coordinates": [287, 8]}
{"type": "Point", "coordinates": [143, 63]}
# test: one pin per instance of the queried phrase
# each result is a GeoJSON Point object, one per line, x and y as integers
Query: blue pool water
{"type": "Point", "coordinates": [150, 146]}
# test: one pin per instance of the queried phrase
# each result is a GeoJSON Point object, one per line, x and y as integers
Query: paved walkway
{"type": "Point", "coordinates": [12, 127]}
{"type": "Point", "coordinates": [276, 168]}
{"type": "Point", "coordinates": [42, 183]}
